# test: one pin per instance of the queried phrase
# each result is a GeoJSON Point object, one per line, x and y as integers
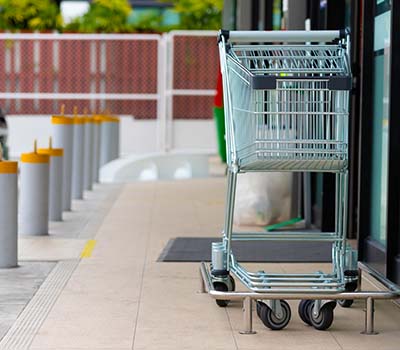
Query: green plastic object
{"type": "Point", "coordinates": [283, 224]}
{"type": "Point", "coordinates": [220, 126]}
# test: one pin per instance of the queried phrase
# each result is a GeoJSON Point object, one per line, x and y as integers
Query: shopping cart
{"type": "Point", "coordinates": [286, 109]}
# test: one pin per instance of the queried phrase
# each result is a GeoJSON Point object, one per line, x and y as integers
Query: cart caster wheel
{"type": "Point", "coordinates": [259, 306]}
{"type": "Point", "coordinates": [345, 302]}
{"type": "Point", "coordinates": [229, 286]}
{"type": "Point", "coordinates": [325, 318]}
{"type": "Point", "coordinates": [270, 320]}
{"type": "Point", "coordinates": [233, 284]}
{"type": "Point", "coordinates": [350, 287]}
{"type": "Point", "coordinates": [304, 312]}
{"type": "Point", "coordinates": [221, 287]}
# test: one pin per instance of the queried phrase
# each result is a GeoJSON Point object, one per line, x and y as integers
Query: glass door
{"type": "Point", "coordinates": [375, 129]}
{"type": "Point", "coordinates": [380, 124]}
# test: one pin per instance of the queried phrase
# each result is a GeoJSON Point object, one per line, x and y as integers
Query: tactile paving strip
{"type": "Point", "coordinates": [21, 334]}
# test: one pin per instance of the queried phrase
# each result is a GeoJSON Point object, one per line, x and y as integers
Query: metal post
{"type": "Point", "coordinates": [96, 149]}
{"type": "Point", "coordinates": [8, 213]}
{"type": "Point", "coordinates": [55, 180]}
{"type": "Point", "coordinates": [202, 283]}
{"type": "Point", "coordinates": [369, 317]}
{"type": "Point", "coordinates": [106, 140]}
{"type": "Point", "coordinates": [77, 158]}
{"type": "Point", "coordinates": [62, 130]}
{"type": "Point", "coordinates": [230, 204]}
{"type": "Point", "coordinates": [247, 316]}
{"type": "Point", "coordinates": [87, 154]}
{"type": "Point", "coordinates": [34, 194]}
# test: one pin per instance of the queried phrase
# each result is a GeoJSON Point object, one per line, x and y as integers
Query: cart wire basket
{"type": "Point", "coordinates": [286, 98]}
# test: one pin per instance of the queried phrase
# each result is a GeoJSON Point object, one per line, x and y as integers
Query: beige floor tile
{"type": "Point", "coordinates": [196, 339]}
{"type": "Point", "coordinates": [122, 298]}
{"type": "Point", "coordinates": [49, 249]}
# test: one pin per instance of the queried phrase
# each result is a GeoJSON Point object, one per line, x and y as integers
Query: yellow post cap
{"type": "Point", "coordinates": [7, 167]}
{"type": "Point", "coordinates": [52, 152]}
{"type": "Point", "coordinates": [97, 119]}
{"type": "Point", "coordinates": [34, 158]}
{"type": "Point", "coordinates": [61, 119]}
{"type": "Point", "coordinates": [88, 119]}
{"type": "Point", "coordinates": [78, 120]}
{"type": "Point", "coordinates": [108, 118]}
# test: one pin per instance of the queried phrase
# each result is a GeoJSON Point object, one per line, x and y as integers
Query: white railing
{"type": "Point", "coordinates": [129, 74]}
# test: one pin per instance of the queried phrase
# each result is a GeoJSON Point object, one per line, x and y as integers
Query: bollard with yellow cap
{"type": "Point", "coordinates": [109, 139]}
{"type": "Point", "coordinates": [62, 131]}
{"type": "Point", "coordinates": [87, 154]}
{"type": "Point", "coordinates": [96, 148]}
{"type": "Point", "coordinates": [34, 194]}
{"type": "Point", "coordinates": [8, 213]}
{"type": "Point", "coordinates": [55, 180]}
{"type": "Point", "coordinates": [77, 156]}
{"type": "Point", "coordinates": [115, 138]}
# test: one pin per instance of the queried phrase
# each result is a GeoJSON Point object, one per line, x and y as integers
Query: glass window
{"type": "Point", "coordinates": [381, 86]}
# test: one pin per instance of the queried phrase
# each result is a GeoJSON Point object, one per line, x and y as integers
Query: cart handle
{"type": "Point", "coordinates": [282, 35]}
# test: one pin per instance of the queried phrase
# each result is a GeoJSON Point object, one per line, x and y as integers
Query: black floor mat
{"type": "Point", "coordinates": [193, 249]}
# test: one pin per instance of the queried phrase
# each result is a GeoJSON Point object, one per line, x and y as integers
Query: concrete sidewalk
{"type": "Point", "coordinates": [119, 297]}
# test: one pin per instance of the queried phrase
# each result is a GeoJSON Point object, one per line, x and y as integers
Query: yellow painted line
{"type": "Point", "coordinates": [87, 251]}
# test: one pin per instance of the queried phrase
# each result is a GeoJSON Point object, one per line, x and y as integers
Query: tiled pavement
{"type": "Point", "coordinates": [122, 298]}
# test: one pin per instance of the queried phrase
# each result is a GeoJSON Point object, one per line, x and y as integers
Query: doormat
{"type": "Point", "coordinates": [196, 249]}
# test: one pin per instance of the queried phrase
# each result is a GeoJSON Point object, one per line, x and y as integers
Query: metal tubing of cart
{"type": "Point", "coordinates": [368, 296]}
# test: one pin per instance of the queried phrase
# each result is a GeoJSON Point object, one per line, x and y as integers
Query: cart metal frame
{"type": "Point", "coordinates": [286, 109]}
{"type": "Point", "coordinates": [392, 292]}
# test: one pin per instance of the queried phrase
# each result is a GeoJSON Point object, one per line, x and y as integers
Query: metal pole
{"type": "Point", "coordinates": [34, 194]}
{"type": "Point", "coordinates": [369, 317]}
{"type": "Point", "coordinates": [55, 181]}
{"type": "Point", "coordinates": [62, 130]}
{"type": "Point", "coordinates": [87, 154]}
{"type": "Point", "coordinates": [202, 283]}
{"type": "Point", "coordinates": [247, 316]}
{"type": "Point", "coordinates": [96, 149]}
{"type": "Point", "coordinates": [77, 158]}
{"type": "Point", "coordinates": [8, 214]}
{"type": "Point", "coordinates": [106, 140]}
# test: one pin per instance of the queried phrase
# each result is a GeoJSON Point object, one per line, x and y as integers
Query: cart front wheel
{"type": "Point", "coordinates": [259, 307]}
{"type": "Point", "coordinates": [269, 318]}
{"type": "Point", "coordinates": [350, 287]}
{"type": "Point", "coordinates": [345, 302]}
{"type": "Point", "coordinates": [227, 286]}
{"type": "Point", "coordinates": [303, 311]}
{"type": "Point", "coordinates": [221, 287]}
{"type": "Point", "coordinates": [325, 317]}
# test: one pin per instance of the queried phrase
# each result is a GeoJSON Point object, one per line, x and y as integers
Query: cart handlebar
{"type": "Point", "coordinates": [282, 35]}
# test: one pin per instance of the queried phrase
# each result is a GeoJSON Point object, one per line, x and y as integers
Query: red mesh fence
{"type": "Point", "coordinates": [79, 67]}
{"type": "Point", "coordinates": [98, 66]}
{"type": "Point", "coordinates": [196, 65]}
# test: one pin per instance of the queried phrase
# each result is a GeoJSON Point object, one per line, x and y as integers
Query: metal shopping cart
{"type": "Point", "coordinates": [286, 109]}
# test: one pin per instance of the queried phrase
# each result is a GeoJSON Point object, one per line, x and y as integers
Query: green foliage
{"type": "Point", "coordinates": [29, 14]}
{"type": "Point", "coordinates": [105, 16]}
{"type": "Point", "coordinates": [195, 14]}
{"type": "Point", "coordinates": [151, 22]}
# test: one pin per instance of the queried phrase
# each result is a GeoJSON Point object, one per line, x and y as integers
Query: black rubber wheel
{"type": "Point", "coordinates": [259, 306]}
{"type": "Point", "coordinates": [350, 287]}
{"type": "Point", "coordinates": [232, 283]}
{"type": "Point", "coordinates": [303, 311]}
{"type": "Point", "coordinates": [345, 302]}
{"type": "Point", "coordinates": [271, 321]}
{"type": "Point", "coordinates": [221, 287]}
{"type": "Point", "coordinates": [325, 318]}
